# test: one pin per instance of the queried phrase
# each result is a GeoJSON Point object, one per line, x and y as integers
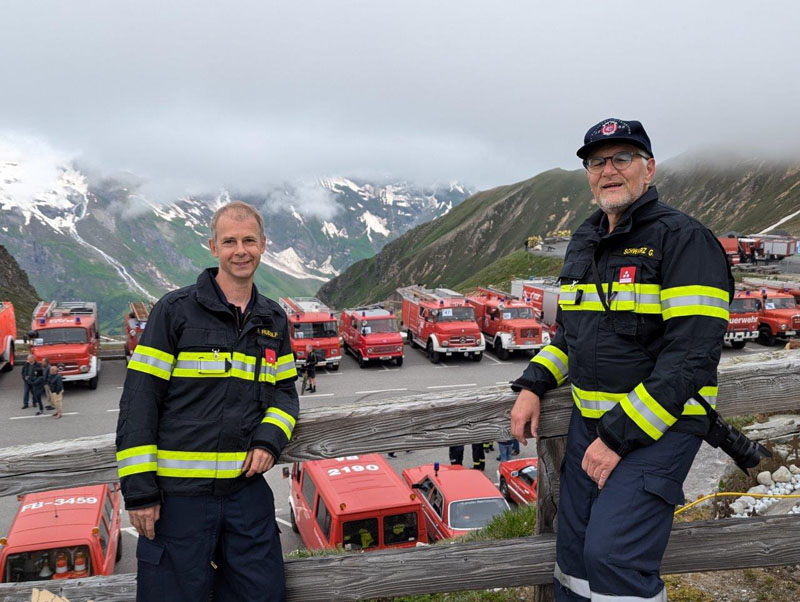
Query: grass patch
{"type": "Point", "coordinates": [519, 264]}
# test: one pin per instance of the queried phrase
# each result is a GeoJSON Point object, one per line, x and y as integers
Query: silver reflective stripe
{"type": "Point", "coordinates": [243, 366]}
{"type": "Point", "coordinates": [280, 418]}
{"type": "Point", "coordinates": [649, 299]}
{"type": "Point", "coordinates": [151, 361]}
{"type": "Point", "coordinates": [200, 464]}
{"type": "Point", "coordinates": [646, 412]}
{"type": "Point", "coordinates": [134, 460]}
{"type": "Point", "coordinates": [575, 585]}
{"type": "Point", "coordinates": [564, 297]}
{"type": "Point", "coordinates": [659, 597]}
{"type": "Point", "coordinates": [592, 404]}
{"type": "Point", "coordinates": [685, 300]}
{"type": "Point", "coordinates": [555, 359]}
{"type": "Point", "coordinates": [287, 366]}
{"type": "Point", "coordinates": [268, 369]}
{"type": "Point", "coordinates": [711, 399]}
{"type": "Point", "coordinates": [200, 365]}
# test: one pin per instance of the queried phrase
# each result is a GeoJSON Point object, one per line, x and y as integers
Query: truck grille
{"type": "Point", "coordinates": [67, 367]}
{"type": "Point", "coordinates": [384, 349]}
{"type": "Point", "coordinates": [465, 340]}
{"type": "Point", "coordinates": [529, 333]}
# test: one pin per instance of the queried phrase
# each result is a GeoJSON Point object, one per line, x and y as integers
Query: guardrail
{"type": "Point", "coordinates": [768, 382]}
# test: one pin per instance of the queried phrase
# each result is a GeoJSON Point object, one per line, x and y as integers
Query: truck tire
{"type": "Point", "coordinates": [501, 352]}
{"type": "Point", "coordinates": [432, 355]}
{"type": "Point", "coordinates": [765, 336]}
{"type": "Point", "coordinates": [738, 344]}
{"type": "Point", "coordinates": [9, 365]}
{"type": "Point", "coordinates": [362, 363]}
{"type": "Point", "coordinates": [409, 339]}
{"type": "Point", "coordinates": [503, 487]}
{"type": "Point", "coordinates": [93, 382]}
{"type": "Point", "coordinates": [118, 557]}
{"type": "Point", "coordinates": [292, 520]}
{"type": "Point", "coordinates": [476, 357]}
{"type": "Point", "coordinates": [398, 361]}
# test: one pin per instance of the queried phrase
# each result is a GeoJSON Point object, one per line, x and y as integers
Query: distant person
{"type": "Point", "coordinates": [311, 369]}
{"type": "Point", "coordinates": [645, 291]}
{"type": "Point", "coordinates": [456, 453]}
{"type": "Point", "coordinates": [506, 449]}
{"type": "Point", "coordinates": [37, 386]}
{"type": "Point", "coordinates": [28, 369]}
{"type": "Point", "coordinates": [48, 401]}
{"type": "Point", "coordinates": [56, 385]}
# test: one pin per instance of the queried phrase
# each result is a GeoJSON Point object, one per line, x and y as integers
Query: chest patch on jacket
{"type": "Point", "coordinates": [267, 333]}
{"type": "Point", "coordinates": [627, 275]}
{"type": "Point", "coordinates": [640, 252]}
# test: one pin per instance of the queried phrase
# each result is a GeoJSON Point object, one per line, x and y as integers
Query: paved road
{"type": "Point", "coordinates": [95, 412]}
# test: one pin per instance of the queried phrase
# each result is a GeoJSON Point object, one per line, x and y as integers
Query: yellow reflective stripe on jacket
{"type": "Point", "coordinates": [593, 404]}
{"type": "Point", "coordinates": [646, 412]}
{"type": "Point", "coordinates": [695, 300]}
{"type": "Point", "coordinates": [555, 362]}
{"type": "Point", "coordinates": [635, 297]}
{"type": "Point", "coordinates": [152, 361]}
{"type": "Point", "coordinates": [210, 364]}
{"type": "Point", "coordinates": [200, 465]}
{"type": "Point", "coordinates": [202, 364]}
{"type": "Point", "coordinates": [281, 419]}
{"type": "Point", "coordinates": [136, 459]}
{"type": "Point", "coordinates": [285, 367]}
{"type": "Point", "coordinates": [693, 407]}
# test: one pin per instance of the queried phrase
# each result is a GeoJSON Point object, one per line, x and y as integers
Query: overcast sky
{"type": "Point", "coordinates": [248, 94]}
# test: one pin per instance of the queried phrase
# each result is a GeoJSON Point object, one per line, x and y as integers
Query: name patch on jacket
{"type": "Point", "coordinates": [267, 333]}
{"type": "Point", "coordinates": [640, 252]}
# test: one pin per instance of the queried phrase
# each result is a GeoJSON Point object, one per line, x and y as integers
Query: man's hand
{"type": "Point", "coordinates": [599, 462]}
{"type": "Point", "coordinates": [144, 520]}
{"type": "Point", "coordinates": [257, 461]}
{"type": "Point", "coordinates": [526, 409]}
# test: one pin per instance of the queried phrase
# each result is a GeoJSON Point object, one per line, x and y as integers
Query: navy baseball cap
{"type": "Point", "coordinates": [615, 130]}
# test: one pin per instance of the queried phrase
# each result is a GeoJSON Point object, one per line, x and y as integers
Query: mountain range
{"type": "Point", "coordinates": [85, 237]}
{"type": "Point", "coordinates": [727, 194]}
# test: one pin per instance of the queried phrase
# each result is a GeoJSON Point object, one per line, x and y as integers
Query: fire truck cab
{"type": "Point", "coordinates": [311, 322]}
{"type": "Point", "coordinates": [135, 323]}
{"type": "Point", "coordinates": [778, 316]}
{"type": "Point", "coordinates": [63, 534]}
{"type": "Point", "coordinates": [8, 336]}
{"type": "Point", "coordinates": [66, 333]}
{"type": "Point", "coordinates": [743, 321]}
{"type": "Point", "coordinates": [542, 293]}
{"type": "Point", "coordinates": [355, 503]}
{"type": "Point", "coordinates": [441, 322]}
{"type": "Point", "coordinates": [508, 323]}
{"type": "Point", "coordinates": [371, 334]}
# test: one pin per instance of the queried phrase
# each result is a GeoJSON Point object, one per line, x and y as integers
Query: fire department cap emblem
{"type": "Point", "coordinates": [609, 128]}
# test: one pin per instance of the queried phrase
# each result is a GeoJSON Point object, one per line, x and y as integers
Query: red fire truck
{"type": "Point", "coordinates": [517, 480]}
{"type": "Point", "coordinates": [508, 323]}
{"type": "Point", "coordinates": [783, 286]}
{"type": "Point", "coordinates": [8, 335]}
{"type": "Point", "coordinates": [778, 316]}
{"type": "Point", "coordinates": [355, 503]}
{"type": "Point", "coordinates": [63, 534]}
{"type": "Point", "coordinates": [743, 321]}
{"type": "Point", "coordinates": [441, 322]}
{"type": "Point", "coordinates": [134, 325]}
{"type": "Point", "coordinates": [371, 334]}
{"type": "Point", "coordinates": [65, 332]}
{"type": "Point", "coordinates": [311, 322]}
{"type": "Point", "coordinates": [543, 294]}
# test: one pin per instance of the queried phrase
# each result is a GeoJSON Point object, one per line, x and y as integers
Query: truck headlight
{"type": "Point", "coordinates": [84, 368]}
{"type": "Point", "coordinates": [370, 350]}
{"type": "Point", "coordinates": [398, 348]}
{"type": "Point", "coordinates": [783, 326]}
{"type": "Point", "coordinates": [445, 343]}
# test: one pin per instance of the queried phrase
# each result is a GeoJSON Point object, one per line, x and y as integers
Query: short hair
{"type": "Point", "coordinates": [241, 211]}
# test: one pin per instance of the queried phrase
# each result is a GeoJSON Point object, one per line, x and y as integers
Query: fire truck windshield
{"type": "Point", "coordinates": [453, 314]}
{"type": "Point", "coordinates": [741, 306]}
{"type": "Point", "coordinates": [780, 303]}
{"type": "Point", "coordinates": [512, 313]}
{"type": "Point", "coordinates": [315, 330]}
{"type": "Point", "coordinates": [380, 326]}
{"type": "Point", "coordinates": [474, 514]}
{"type": "Point", "coordinates": [52, 336]}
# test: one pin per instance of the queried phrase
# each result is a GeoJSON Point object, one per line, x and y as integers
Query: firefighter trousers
{"type": "Point", "coordinates": [478, 455]}
{"type": "Point", "coordinates": [610, 543]}
{"type": "Point", "coordinates": [237, 533]}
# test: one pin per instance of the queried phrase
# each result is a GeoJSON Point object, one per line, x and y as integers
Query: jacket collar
{"type": "Point", "coordinates": [208, 297]}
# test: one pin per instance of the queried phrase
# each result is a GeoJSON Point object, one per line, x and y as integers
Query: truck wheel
{"type": "Point", "coordinates": [432, 355]}
{"type": "Point", "coordinates": [362, 363]}
{"type": "Point", "coordinates": [9, 365]}
{"type": "Point", "coordinates": [765, 336]}
{"type": "Point", "coordinates": [93, 382]}
{"type": "Point", "coordinates": [292, 520]}
{"type": "Point", "coordinates": [738, 344]}
{"type": "Point", "coordinates": [500, 351]}
{"type": "Point", "coordinates": [476, 357]}
{"type": "Point", "coordinates": [409, 339]}
{"type": "Point", "coordinates": [504, 488]}
{"type": "Point", "coordinates": [398, 361]}
{"type": "Point", "coordinates": [118, 557]}
{"type": "Point", "coordinates": [334, 367]}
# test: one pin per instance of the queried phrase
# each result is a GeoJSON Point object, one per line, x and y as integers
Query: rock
{"type": "Point", "coordinates": [737, 507]}
{"type": "Point", "coordinates": [757, 489]}
{"type": "Point", "coordinates": [782, 475]}
{"type": "Point", "coordinates": [793, 469]}
{"type": "Point", "coordinates": [747, 500]}
{"type": "Point", "coordinates": [777, 426]}
{"type": "Point", "coordinates": [764, 478]}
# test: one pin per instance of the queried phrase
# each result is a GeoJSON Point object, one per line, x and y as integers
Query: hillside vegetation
{"type": "Point", "coordinates": [15, 287]}
{"type": "Point", "coordinates": [745, 195]}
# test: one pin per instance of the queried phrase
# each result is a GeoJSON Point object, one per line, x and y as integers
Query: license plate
{"type": "Point", "coordinates": [386, 357]}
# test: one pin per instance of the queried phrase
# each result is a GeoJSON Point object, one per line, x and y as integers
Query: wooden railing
{"type": "Point", "coordinates": [768, 382]}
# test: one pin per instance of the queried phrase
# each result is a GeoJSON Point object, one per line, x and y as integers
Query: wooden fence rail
{"type": "Point", "coordinates": [768, 382]}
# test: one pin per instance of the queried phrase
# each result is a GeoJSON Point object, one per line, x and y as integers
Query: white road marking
{"type": "Point", "coordinates": [283, 522]}
{"type": "Point", "coordinates": [318, 395]}
{"type": "Point", "coordinates": [379, 391]}
{"type": "Point", "coordinates": [452, 386]}
{"type": "Point", "coordinates": [489, 357]}
{"type": "Point", "coordinates": [502, 382]}
{"type": "Point", "coordinates": [440, 366]}
{"type": "Point", "coordinates": [41, 416]}
{"type": "Point", "coordinates": [329, 374]}
{"type": "Point", "coordinates": [113, 410]}
{"type": "Point", "coordinates": [131, 531]}
{"type": "Point", "coordinates": [120, 387]}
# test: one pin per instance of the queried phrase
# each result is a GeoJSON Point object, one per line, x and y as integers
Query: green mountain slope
{"type": "Point", "coordinates": [742, 195]}
{"type": "Point", "coordinates": [15, 287]}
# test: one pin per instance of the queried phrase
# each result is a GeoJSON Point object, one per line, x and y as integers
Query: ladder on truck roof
{"type": "Point", "coordinates": [490, 291]}
{"type": "Point", "coordinates": [140, 310]}
{"type": "Point", "coordinates": [425, 294]}
{"type": "Point", "coordinates": [301, 305]}
{"type": "Point", "coordinates": [48, 309]}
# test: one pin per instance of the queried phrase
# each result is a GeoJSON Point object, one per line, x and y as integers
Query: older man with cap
{"type": "Point", "coordinates": [643, 309]}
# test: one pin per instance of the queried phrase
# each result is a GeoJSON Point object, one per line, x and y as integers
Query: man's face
{"type": "Point", "coordinates": [53, 370]}
{"type": "Point", "coordinates": [31, 359]}
{"type": "Point", "coordinates": [616, 190]}
{"type": "Point", "coordinates": [238, 246]}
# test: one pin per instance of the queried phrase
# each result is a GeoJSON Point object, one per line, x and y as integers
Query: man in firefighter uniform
{"type": "Point", "coordinates": [208, 405]}
{"type": "Point", "coordinates": [643, 309]}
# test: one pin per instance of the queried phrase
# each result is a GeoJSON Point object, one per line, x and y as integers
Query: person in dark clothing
{"type": "Point", "coordinates": [478, 456]}
{"type": "Point", "coordinates": [37, 386]}
{"type": "Point", "coordinates": [56, 383]}
{"type": "Point", "coordinates": [27, 375]}
{"type": "Point", "coordinates": [48, 397]}
{"type": "Point", "coordinates": [311, 369]}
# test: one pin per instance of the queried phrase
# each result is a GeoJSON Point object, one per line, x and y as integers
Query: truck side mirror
{"type": "Point", "coordinates": [416, 486]}
{"type": "Point", "coordinates": [285, 472]}
{"type": "Point", "coordinates": [758, 305]}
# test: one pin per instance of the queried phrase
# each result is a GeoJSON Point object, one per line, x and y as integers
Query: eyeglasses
{"type": "Point", "coordinates": [620, 161]}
